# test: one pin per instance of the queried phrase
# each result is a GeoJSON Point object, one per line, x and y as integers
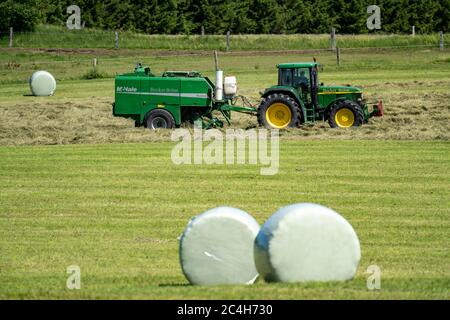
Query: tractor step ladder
{"type": "Point", "coordinates": [310, 114]}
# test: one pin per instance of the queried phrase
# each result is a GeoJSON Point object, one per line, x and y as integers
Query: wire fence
{"type": "Point", "coordinates": [104, 39]}
{"type": "Point", "coordinates": [177, 54]}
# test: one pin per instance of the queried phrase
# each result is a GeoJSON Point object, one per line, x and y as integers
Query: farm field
{"type": "Point", "coordinates": [79, 186]}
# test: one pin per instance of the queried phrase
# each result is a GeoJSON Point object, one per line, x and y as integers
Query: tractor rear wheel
{"type": "Point", "coordinates": [160, 119]}
{"type": "Point", "coordinates": [345, 114]}
{"type": "Point", "coordinates": [279, 111]}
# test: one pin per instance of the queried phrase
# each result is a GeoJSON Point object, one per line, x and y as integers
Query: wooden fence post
{"type": "Point", "coordinates": [228, 40]}
{"type": "Point", "coordinates": [116, 40]}
{"type": "Point", "coordinates": [94, 63]}
{"type": "Point", "coordinates": [216, 60]}
{"type": "Point", "coordinates": [338, 56]}
{"type": "Point", "coordinates": [11, 35]}
{"type": "Point", "coordinates": [413, 31]}
{"type": "Point", "coordinates": [441, 40]}
{"type": "Point", "coordinates": [203, 31]}
{"type": "Point", "coordinates": [333, 39]}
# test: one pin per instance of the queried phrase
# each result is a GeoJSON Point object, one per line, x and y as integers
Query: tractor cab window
{"type": "Point", "coordinates": [298, 78]}
{"type": "Point", "coordinates": [285, 77]}
{"type": "Point", "coordinates": [301, 78]}
{"type": "Point", "coordinates": [294, 77]}
{"type": "Point", "coordinates": [302, 82]}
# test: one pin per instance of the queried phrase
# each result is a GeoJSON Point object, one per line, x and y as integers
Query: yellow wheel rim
{"type": "Point", "coordinates": [278, 115]}
{"type": "Point", "coordinates": [344, 118]}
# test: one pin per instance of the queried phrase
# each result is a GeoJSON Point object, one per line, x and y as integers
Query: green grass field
{"type": "Point", "coordinates": [117, 210]}
{"type": "Point", "coordinates": [80, 187]}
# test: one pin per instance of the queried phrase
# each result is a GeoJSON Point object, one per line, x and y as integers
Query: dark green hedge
{"type": "Point", "coordinates": [244, 16]}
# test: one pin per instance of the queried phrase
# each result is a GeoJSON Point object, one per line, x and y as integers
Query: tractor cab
{"type": "Point", "coordinates": [301, 77]}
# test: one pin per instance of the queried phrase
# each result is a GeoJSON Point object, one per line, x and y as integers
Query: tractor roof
{"type": "Point", "coordinates": [297, 65]}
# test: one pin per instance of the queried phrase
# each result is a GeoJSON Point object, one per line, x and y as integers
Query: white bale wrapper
{"type": "Point", "coordinates": [307, 242]}
{"type": "Point", "coordinates": [42, 83]}
{"type": "Point", "coordinates": [230, 86]}
{"type": "Point", "coordinates": [217, 248]}
{"type": "Point", "coordinates": [219, 85]}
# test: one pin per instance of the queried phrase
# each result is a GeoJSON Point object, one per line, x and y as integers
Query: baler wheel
{"type": "Point", "coordinates": [160, 119]}
{"type": "Point", "coordinates": [345, 114]}
{"type": "Point", "coordinates": [278, 111]}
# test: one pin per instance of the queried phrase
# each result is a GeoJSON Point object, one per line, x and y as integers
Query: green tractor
{"type": "Point", "coordinates": [175, 97]}
{"type": "Point", "coordinates": [298, 99]}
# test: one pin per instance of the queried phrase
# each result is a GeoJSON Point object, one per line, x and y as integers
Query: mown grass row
{"type": "Point", "coordinates": [117, 210]}
{"type": "Point", "coordinates": [57, 37]}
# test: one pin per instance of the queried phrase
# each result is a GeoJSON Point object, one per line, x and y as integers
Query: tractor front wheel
{"type": "Point", "coordinates": [278, 111]}
{"type": "Point", "coordinates": [345, 114]}
{"type": "Point", "coordinates": [160, 119]}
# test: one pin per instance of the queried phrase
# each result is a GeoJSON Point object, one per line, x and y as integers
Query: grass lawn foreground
{"type": "Point", "coordinates": [117, 210]}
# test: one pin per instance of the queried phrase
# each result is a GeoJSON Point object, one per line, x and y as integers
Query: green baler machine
{"type": "Point", "coordinates": [175, 97]}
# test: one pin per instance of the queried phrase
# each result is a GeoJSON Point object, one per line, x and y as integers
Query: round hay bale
{"type": "Point", "coordinates": [42, 83]}
{"type": "Point", "coordinates": [306, 242]}
{"type": "Point", "coordinates": [217, 248]}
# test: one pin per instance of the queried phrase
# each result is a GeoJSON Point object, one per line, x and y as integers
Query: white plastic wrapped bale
{"type": "Point", "coordinates": [230, 86]}
{"type": "Point", "coordinates": [42, 83]}
{"type": "Point", "coordinates": [217, 248]}
{"type": "Point", "coordinates": [307, 242]}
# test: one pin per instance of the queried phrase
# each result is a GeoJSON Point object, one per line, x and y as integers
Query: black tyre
{"type": "Point", "coordinates": [278, 111]}
{"type": "Point", "coordinates": [160, 119]}
{"type": "Point", "coordinates": [345, 114]}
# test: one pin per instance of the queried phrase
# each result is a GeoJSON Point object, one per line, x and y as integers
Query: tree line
{"type": "Point", "coordinates": [237, 16]}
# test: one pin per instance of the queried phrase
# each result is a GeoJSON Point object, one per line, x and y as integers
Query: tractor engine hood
{"type": "Point", "coordinates": [339, 89]}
